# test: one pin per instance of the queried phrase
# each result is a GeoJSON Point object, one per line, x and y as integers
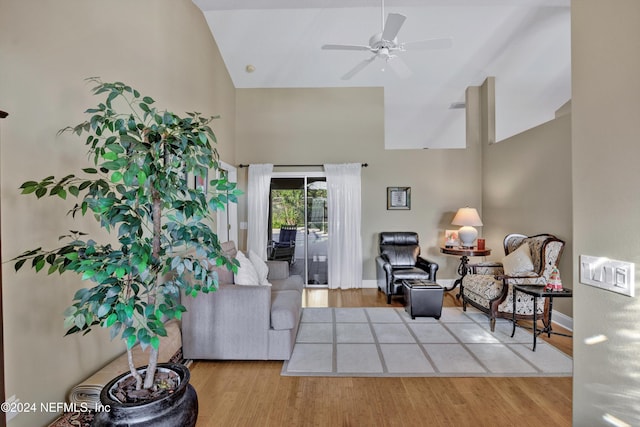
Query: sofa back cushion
{"type": "Point", "coordinates": [228, 250]}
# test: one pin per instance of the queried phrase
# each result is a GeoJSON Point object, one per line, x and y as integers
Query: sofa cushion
{"type": "Point", "coordinates": [285, 309]}
{"type": "Point", "coordinates": [224, 274]}
{"type": "Point", "coordinates": [260, 267]}
{"type": "Point", "coordinates": [518, 261]}
{"type": "Point", "coordinates": [247, 274]}
{"type": "Point", "coordinates": [278, 270]}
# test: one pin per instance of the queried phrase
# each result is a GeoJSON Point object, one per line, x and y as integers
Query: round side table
{"type": "Point", "coordinates": [463, 268]}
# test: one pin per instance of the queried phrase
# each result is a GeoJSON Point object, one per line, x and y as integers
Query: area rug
{"type": "Point", "coordinates": [386, 342]}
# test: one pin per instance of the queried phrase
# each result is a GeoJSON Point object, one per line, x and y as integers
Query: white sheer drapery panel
{"type": "Point", "coordinates": [344, 217]}
{"type": "Point", "coordinates": [258, 208]}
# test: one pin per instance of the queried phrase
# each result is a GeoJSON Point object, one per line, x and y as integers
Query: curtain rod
{"type": "Point", "coordinates": [364, 165]}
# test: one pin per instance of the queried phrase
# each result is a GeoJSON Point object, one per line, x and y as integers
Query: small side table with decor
{"type": "Point", "coordinates": [539, 292]}
{"type": "Point", "coordinates": [463, 268]}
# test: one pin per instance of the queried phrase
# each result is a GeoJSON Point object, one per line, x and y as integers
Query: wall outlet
{"type": "Point", "coordinates": [609, 274]}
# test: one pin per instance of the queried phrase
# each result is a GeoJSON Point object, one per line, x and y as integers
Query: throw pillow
{"type": "Point", "coordinates": [260, 266]}
{"type": "Point", "coordinates": [229, 249]}
{"type": "Point", "coordinates": [247, 274]}
{"type": "Point", "coordinates": [518, 261]}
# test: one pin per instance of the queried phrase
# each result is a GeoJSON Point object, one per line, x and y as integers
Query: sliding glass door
{"type": "Point", "coordinates": [299, 201]}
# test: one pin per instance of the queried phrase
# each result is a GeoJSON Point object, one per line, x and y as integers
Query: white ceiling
{"type": "Point", "coordinates": [524, 44]}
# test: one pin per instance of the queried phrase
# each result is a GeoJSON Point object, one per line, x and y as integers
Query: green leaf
{"type": "Point", "coordinates": [155, 342]}
{"type": "Point", "coordinates": [116, 176]}
{"type": "Point", "coordinates": [142, 178]}
{"type": "Point", "coordinates": [18, 265]}
{"type": "Point", "coordinates": [110, 155]}
{"type": "Point", "coordinates": [104, 309]}
{"type": "Point", "coordinates": [88, 274]}
{"type": "Point", "coordinates": [80, 321]}
{"type": "Point", "coordinates": [113, 291]}
{"type": "Point", "coordinates": [148, 100]}
{"type": "Point", "coordinates": [89, 170]}
{"type": "Point", "coordinates": [131, 341]}
{"type": "Point", "coordinates": [70, 311]}
{"type": "Point", "coordinates": [111, 320]}
{"type": "Point", "coordinates": [41, 191]}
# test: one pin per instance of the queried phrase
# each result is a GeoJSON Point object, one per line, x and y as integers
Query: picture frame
{"type": "Point", "coordinates": [398, 198]}
{"type": "Point", "coordinates": [451, 239]}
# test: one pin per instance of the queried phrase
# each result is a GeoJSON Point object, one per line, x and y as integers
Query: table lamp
{"type": "Point", "coordinates": [467, 218]}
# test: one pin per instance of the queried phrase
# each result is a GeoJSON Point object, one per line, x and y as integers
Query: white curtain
{"type": "Point", "coordinates": [344, 216]}
{"type": "Point", "coordinates": [258, 208]}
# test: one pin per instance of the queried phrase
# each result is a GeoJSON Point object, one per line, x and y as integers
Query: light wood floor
{"type": "Point", "coordinates": [248, 393]}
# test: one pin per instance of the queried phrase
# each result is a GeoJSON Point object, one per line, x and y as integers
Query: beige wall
{"type": "Point", "coordinates": [527, 189]}
{"type": "Point", "coordinates": [316, 126]}
{"type": "Point", "coordinates": [164, 49]}
{"type": "Point", "coordinates": [606, 205]}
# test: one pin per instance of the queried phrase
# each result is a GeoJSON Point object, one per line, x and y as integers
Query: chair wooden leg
{"type": "Point", "coordinates": [389, 298]}
{"type": "Point", "coordinates": [493, 324]}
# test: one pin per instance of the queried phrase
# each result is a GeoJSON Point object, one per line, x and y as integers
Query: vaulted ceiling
{"type": "Point", "coordinates": [524, 44]}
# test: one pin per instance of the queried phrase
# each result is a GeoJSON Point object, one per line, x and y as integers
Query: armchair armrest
{"type": "Point", "coordinates": [528, 278]}
{"type": "Point", "coordinates": [383, 271]}
{"type": "Point", "coordinates": [491, 268]}
{"type": "Point", "coordinates": [429, 266]}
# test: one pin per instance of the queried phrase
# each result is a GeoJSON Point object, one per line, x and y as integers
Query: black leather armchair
{"type": "Point", "coordinates": [400, 260]}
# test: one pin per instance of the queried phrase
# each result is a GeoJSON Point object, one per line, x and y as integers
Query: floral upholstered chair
{"type": "Point", "coordinates": [529, 261]}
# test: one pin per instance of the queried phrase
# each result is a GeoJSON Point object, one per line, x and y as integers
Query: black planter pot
{"type": "Point", "coordinates": [179, 408]}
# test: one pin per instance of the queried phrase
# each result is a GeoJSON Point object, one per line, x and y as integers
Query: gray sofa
{"type": "Point", "coordinates": [239, 322]}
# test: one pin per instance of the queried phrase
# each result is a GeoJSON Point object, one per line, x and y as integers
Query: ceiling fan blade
{"type": "Point", "coordinates": [444, 43]}
{"type": "Point", "coordinates": [399, 67]}
{"type": "Point", "coordinates": [355, 70]}
{"type": "Point", "coordinates": [344, 47]}
{"type": "Point", "coordinates": [392, 26]}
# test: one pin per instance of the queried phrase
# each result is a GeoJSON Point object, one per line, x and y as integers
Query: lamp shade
{"type": "Point", "coordinates": [467, 216]}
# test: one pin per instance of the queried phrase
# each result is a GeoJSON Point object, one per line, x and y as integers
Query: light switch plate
{"type": "Point", "coordinates": [610, 274]}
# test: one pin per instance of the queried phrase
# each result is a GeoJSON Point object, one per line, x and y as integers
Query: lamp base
{"type": "Point", "coordinates": [467, 236]}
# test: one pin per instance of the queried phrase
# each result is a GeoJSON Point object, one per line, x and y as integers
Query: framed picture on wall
{"type": "Point", "coordinates": [398, 198]}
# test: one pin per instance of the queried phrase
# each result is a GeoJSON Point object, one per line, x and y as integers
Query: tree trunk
{"type": "Point", "coordinates": [151, 300]}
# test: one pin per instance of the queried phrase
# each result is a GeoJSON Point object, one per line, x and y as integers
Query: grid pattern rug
{"type": "Point", "coordinates": [387, 342]}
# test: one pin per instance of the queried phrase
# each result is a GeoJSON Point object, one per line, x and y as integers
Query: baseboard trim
{"type": "Point", "coordinates": [370, 284]}
{"type": "Point", "coordinates": [562, 320]}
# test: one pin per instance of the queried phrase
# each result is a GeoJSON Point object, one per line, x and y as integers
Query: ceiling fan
{"type": "Point", "coordinates": [385, 45]}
